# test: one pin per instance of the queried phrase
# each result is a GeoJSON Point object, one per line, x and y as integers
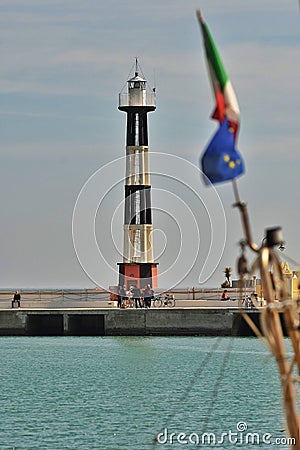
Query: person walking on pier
{"type": "Point", "coordinates": [148, 296]}
{"type": "Point", "coordinates": [16, 299]}
{"type": "Point", "coordinates": [130, 297]}
{"type": "Point", "coordinates": [137, 297]}
{"type": "Point", "coordinates": [119, 296]}
{"type": "Point", "coordinates": [123, 295]}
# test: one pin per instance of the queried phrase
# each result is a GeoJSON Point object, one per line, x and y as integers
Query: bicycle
{"type": "Point", "coordinates": [164, 300]}
{"type": "Point", "coordinates": [246, 302]}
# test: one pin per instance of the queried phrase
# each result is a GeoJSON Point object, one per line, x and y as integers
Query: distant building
{"type": "Point", "coordinates": [292, 279]}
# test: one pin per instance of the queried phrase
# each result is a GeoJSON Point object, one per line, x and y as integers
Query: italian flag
{"type": "Point", "coordinates": [226, 102]}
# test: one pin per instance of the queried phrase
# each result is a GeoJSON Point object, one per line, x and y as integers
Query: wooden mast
{"type": "Point", "coordinates": [275, 295]}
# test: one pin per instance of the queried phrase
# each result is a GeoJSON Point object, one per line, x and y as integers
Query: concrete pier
{"type": "Point", "coordinates": [125, 322]}
{"type": "Point", "coordinates": [91, 312]}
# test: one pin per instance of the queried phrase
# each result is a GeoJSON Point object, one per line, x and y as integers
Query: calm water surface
{"type": "Point", "coordinates": [111, 393]}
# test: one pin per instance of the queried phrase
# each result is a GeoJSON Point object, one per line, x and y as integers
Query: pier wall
{"type": "Point", "coordinates": [128, 322]}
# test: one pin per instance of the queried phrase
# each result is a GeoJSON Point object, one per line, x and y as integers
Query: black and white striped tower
{"type": "Point", "coordinates": [138, 267]}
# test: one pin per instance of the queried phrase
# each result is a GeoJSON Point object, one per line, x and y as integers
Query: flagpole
{"type": "Point", "coordinates": [244, 216]}
{"type": "Point", "coordinates": [236, 191]}
{"type": "Point", "coordinates": [199, 15]}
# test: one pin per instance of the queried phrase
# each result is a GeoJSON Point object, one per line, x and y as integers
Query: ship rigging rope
{"type": "Point", "coordinates": [291, 260]}
{"type": "Point", "coordinates": [192, 382]}
{"type": "Point", "coordinates": [217, 386]}
{"type": "Point", "coordinates": [129, 75]}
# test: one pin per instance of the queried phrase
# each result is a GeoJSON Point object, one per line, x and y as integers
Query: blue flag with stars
{"type": "Point", "coordinates": [221, 161]}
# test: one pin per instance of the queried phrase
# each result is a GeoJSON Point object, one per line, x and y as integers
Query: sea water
{"type": "Point", "coordinates": [110, 393]}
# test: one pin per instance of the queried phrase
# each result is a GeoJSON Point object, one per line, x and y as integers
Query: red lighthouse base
{"type": "Point", "coordinates": [138, 274]}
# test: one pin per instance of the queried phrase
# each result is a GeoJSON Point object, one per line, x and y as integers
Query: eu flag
{"type": "Point", "coordinates": [221, 161]}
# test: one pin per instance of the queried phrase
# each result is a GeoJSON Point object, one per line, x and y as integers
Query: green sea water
{"type": "Point", "coordinates": [110, 393]}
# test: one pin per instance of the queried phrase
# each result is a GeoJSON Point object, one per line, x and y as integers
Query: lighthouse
{"type": "Point", "coordinates": [138, 267]}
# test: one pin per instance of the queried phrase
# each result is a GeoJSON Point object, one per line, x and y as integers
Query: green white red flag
{"type": "Point", "coordinates": [226, 101]}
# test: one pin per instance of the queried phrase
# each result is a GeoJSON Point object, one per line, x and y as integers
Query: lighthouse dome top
{"type": "Point", "coordinates": [136, 78]}
{"type": "Point", "coordinates": [137, 95]}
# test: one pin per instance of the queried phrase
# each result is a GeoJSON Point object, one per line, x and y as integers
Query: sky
{"type": "Point", "coordinates": [63, 64]}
